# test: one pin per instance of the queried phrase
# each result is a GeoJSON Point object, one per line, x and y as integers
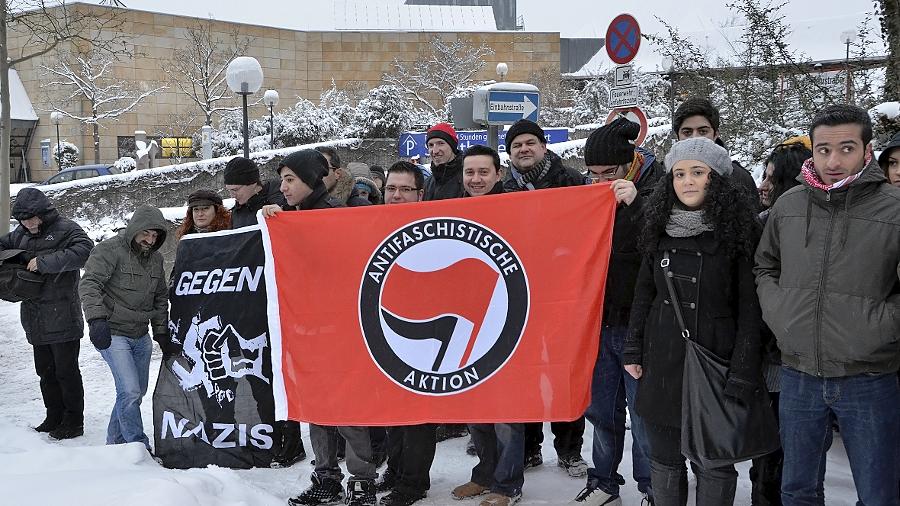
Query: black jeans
{"type": "Point", "coordinates": [765, 475]}
{"type": "Point", "coordinates": [567, 437]}
{"type": "Point", "coordinates": [410, 451]}
{"type": "Point", "coordinates": [61, 387]}
{"type": "Point", "coordinates": [668, 473]}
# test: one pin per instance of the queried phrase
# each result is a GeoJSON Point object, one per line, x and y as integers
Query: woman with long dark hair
{"type": "Point", "coordinates": [700, 233]}
{"type": "Point", "coordinates": [782, 168]}
{"type": "Point", "coordinates": [205, 213]}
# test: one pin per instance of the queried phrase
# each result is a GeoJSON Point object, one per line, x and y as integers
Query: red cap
{"type": "Point", "coordinates": [445, 132]}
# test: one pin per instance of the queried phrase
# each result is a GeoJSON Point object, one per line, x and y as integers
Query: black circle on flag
{"type": "Point", "coordinates": [443, 304]}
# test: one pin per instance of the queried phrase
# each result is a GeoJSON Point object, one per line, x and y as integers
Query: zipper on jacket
{"type": "Point", "coordinates": [820, 291]}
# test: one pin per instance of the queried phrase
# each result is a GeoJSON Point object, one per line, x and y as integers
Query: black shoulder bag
{"type": "Point", "coordinates": [717, 430]}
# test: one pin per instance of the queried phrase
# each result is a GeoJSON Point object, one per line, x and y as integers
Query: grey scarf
{"type": "Point", "coordinates": [683, 223]}
{"type": "Point", "coordinates": [537, 172]}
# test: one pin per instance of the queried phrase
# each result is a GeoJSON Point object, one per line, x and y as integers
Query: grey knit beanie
{"type": "Point", "coordinates": [703, 150]}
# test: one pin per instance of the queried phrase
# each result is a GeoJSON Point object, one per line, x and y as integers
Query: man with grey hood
{"type": "Point", "coordinates": [123, 289]}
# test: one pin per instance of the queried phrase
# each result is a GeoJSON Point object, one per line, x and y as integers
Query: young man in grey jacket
{"type": "Point", "coordinates": [828, 290]}
{"type": "Point", "coordinates": [123, 289]}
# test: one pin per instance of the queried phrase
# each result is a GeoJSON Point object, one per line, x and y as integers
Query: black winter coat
{"type": "Point", "coordinates": [446, 181]}
{"type": "Point", "coordinates": [61, 248]}
{"type": "Point", "coordinates": [245, 215]}
{"type": "Point", "coordinates": [720, 309]}
{"type": "Point", "coordinates": [559, 176]}
{"type": "Point", "coordinates": [625, 258]}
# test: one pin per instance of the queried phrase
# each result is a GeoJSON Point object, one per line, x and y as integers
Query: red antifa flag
{"type": "Point", "coordinates": [481, 309]}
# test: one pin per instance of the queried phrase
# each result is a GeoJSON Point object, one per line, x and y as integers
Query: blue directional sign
{"type": "Point", "coordinates": [412, 144]}
{"type": "Point", "coordinates": [507, 107]}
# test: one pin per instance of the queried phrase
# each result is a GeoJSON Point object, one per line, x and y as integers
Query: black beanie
{"type": "Point", "coordinates": [240, 170]}
{"type": "Point", "coordinates": [308, 164]}
{"type": "Point", "coordinates": [524, 126]}
{"type": "Point", "coordinates": [612, 144]}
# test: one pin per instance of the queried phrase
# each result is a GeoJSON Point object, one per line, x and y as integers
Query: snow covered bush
{"type": "Point", "coordinates": [303, 123]}
{"type": "Point", "coordinates": [125, 164]}
{"type": "Point", "coordinates": [69, 153]}
{"type": "Point", "coordinates": [385, 112]}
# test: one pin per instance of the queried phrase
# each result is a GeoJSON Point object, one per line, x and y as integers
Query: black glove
{"type": "Point", "coordinates": [740, 389]}
{"type": "Point", "coordinates": [98, 329]}
{"type": "Point", "coordinates": [166, 345]}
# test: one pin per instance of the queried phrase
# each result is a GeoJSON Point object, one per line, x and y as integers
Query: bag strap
{"type": "Point", "coordinates": [676, 303]}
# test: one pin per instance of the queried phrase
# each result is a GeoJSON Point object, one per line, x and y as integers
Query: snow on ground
{"type": "Point", "coordinates": [35, 470]}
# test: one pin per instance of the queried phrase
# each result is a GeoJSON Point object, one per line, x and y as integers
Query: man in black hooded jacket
{"type": "Point", "coordinates": [56, 248]}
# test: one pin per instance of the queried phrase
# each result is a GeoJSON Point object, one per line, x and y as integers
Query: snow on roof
{"type": "Point", "coordinates": [890, 110]}
{"type": "Point", "coordinates": [395, 15]}
{"type": "Point", "coordinates": [20, 107]}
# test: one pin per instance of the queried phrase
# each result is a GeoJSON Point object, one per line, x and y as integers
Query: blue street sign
{"type": "Point", "coordinates": [510, 106]}
{"type": "Point", "coordinates": [412, 144]}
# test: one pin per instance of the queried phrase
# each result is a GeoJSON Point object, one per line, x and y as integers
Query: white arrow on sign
{"type": "Point", "coordinates": [526, 107]}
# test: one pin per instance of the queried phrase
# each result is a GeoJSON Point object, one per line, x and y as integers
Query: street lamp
{"type": "Point", "coordinates": [244, 76]}
{"type": "Point", "coordinates": [502, 70]}
{"type": "Point", "coordinates": [271, 100]}
{"type": "Point", "coordinates": [848, 37]}
{"type": "Point", "coordinates": [669, 65]}
{"type": "Point", "coordinates": [56, 118]}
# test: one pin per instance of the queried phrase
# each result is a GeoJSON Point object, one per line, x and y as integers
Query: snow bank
{"type": "Point", "coordinates": [118, 474]}
{"type": "Point", "coordinates": [890, 110]}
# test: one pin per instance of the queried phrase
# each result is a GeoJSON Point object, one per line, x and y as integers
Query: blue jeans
{"type": "Point", "coordinates": [129, 362]}
{"type": "Point", "coordinates": [867, 410]}
{"type": "Point", "coordinates": [501, 457]}
{"type": "Point", "coordinates": [611, 388]}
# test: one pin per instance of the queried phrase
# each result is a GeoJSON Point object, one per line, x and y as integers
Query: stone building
{"type": "Point", "coordinates": [295, 63]}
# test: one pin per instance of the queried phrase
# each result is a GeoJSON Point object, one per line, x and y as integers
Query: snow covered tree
{"type": "Point", "coordinates": [556, 97]}
{"type": "Point", "coordinates": [198, 68]}
{"type": "Point", "coordinates": [89, 78]}
{"type": "Point", "coordinates": [591, 102]}
{"type": "Point", "coordinates": [41, 27]}
{"type": "Point", "coordinates": [65, 154]}
{"type": "Point", "coordinates": [302, 123]}
{"type": "Point", "coordinates": [889, 16]}
{"type": "Point", "coordinates": [385, 112]}
{"type": "Point", "coordinates": [337, 103]}
{"type": "Point", "coordinates": [445, 69]}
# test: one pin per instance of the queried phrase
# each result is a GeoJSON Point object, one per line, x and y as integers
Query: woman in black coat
{"type": "Point", "coordinates": [706, 227]}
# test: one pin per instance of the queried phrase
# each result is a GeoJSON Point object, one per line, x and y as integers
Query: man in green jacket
{"type": "Point", "coordinates": [828, 290]}
{"type": "Point", "coordinates": [123, 288]}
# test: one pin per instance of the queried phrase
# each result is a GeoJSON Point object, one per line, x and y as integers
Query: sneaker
{"type": "Point", "coordinates": [494, 499]}
{"type": "Point", "coordinates": [470, 448]}
{"type": "Point", "coordinates": [398, 498]}
{"type": "Point", "coordinates": [386, 482]}
{"type": "Point", "coordinates": [64, 431]}
{"type": "Point", "coordinates": [468, 490]}
{"type": "Point", "coordinates": [575, 466]}
{"type": "Point", "coordinates": [360, 492]}
{"type": "Point", "coordinates": [48, 424]}
{"type": "Point", "coordinates": [533, 458]}
{"type": "Point", "coordinates": [592, 495]}
{"type": "Point", "coordinates": [279, 461]}
{"type": "Point", "coordinates": [322, 491]}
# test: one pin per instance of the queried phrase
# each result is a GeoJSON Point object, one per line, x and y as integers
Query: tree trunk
{"type": "Point", "coordinates": [96, 143]}
{"type": "Point", "coordinates": [890, 26]}
{"type": "Point", "coordinates": [5, 122]}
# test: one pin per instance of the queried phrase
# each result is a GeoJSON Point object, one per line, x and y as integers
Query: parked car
{"type": "Point", "coordinates": [82, 172]}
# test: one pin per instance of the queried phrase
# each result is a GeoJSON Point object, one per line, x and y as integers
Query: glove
{"type": "Point", "coordinates": [740, 389]}
{"type": "Point", "coordinates": [98, 329]}
{"type": "Point", "coordinates": [165, 343]}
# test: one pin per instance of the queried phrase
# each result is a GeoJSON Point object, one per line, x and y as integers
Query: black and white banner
{"type": "Point", "coordinates": [213, 400]}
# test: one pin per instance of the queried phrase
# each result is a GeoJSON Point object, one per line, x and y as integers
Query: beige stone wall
{"type": "Point", "coordinates": [296, 63]}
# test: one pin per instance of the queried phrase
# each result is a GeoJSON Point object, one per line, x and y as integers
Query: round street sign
{"type": "Point", "coordinates": [635, 115]}
{"type": "Point", "coordinates": [623, 39]}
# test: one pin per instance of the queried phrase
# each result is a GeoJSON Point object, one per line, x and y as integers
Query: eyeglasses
{"type": "Point", "coordinates": [406, 190]}
{"type": "Point", "coordinates": [606, 175]}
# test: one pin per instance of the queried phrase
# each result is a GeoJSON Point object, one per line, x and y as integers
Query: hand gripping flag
{"type": "Point", "coordinates": [471, 310]}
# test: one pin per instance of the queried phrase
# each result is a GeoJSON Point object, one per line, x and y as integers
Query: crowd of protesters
{"type": "Point", "coordinates": [794, 288]}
